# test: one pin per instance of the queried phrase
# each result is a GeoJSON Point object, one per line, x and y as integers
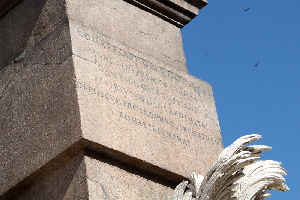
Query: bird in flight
{"type": "Point", "coordinates": [256, 64]}
{"type": "Point", "coordinates": [246, 9]}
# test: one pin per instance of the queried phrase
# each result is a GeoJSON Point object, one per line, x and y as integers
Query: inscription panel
{"type": "Point", "coordinates": [134, 104]}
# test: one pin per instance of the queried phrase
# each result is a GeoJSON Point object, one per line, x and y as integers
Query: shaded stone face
{"type": "Point", "coordinates": [39, 109]}
{"type": "Point", "coordinates": [106, 76]}
{"type": "Point", "coordinates": [176, 12]}
{"type": "Point", "coordinates": [27, 24]}
{"type": "Point", "coordinates": [110, 179]}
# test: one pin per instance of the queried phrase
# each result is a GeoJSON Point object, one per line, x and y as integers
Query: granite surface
{"type": "Point", "coordinates": [163, 115]}
{"type": "Point", "coordinates": [106, 75]}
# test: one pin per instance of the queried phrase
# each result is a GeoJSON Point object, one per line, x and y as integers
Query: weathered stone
{"type": "Point", "coordinates": [62, 178]}
{"type": "Point", "coordinates": [177, 12]}
{"type": "Point", "coordinates": [109, 77]}
{"type": "Point", "coordinates": [110, 179]}
{"type": "Point", "coordinates": [126, 92]}
{"type": "Point", "coordinates": [39, 110]}
{"type": "Point", "coordinates": [27, 24]}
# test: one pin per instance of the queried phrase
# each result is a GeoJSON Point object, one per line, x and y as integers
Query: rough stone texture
{"type": "Point", "coordinates": [6, 5]}
{"type": "Point", "coordinates": [85, 174]}
{"type": "Point", "coordinates": [72, 74]}
{"type": "Point", "coordinates": [64, 177]}
{"type": "Point", "coordinates": [132, 27]}
{"type": "Point", "coordinates": [110, 179]}
{"type": "Point", "coordinates": [177, 12]}
{"type": "Point", "coordinates": [27, 24]}
{"type": "Point", "coordinates": [38, 105]}
{"type": "Point", "coordinates": [124, 91]}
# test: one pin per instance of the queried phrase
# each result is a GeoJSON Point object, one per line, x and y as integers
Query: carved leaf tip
{"type": "Point", "coordinates": [237, 174]}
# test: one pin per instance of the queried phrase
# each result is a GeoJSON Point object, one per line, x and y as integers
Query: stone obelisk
{"type": "Point", "coordinates": [96, 101]}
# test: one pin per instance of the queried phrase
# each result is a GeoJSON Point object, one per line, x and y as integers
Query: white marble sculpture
{"type": "Point", "coordinates": [237, 174]}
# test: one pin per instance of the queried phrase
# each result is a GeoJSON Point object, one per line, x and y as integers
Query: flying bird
{"type": "Point", "coordinates": [246, 9]}
{"type": "Point", "coordinates": [256, 64]}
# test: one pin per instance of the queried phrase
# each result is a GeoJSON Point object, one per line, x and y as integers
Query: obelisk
{"type": "Point", "coordinates": [96, 101]}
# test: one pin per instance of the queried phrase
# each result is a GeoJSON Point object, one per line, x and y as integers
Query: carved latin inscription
{"type": "Point", "coordinates": [144, 93]}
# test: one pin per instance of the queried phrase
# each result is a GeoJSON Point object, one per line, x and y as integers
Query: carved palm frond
{"type": "Point", "coordinates": [259, 177]}
{"type": "Point", "coordinates": [237, 174]}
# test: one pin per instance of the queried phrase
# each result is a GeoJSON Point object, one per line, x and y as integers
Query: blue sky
{"type": "Point", "coordinates": [223, 45]}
